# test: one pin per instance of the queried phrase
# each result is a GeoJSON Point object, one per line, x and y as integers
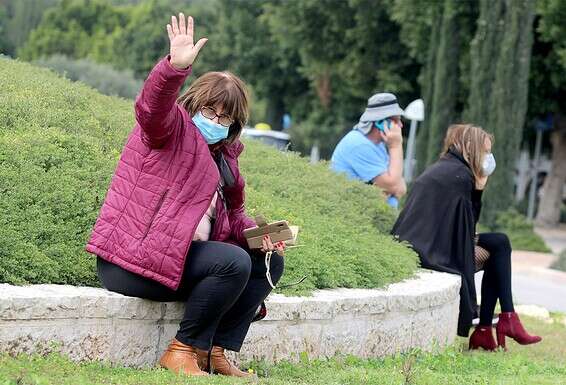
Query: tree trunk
{"type": "Point", "coordinates": [551, 201]}
{"type": "Point", "coordinates": [427, 85]}
{"type": "Point", "coordinates": [450, 33]}
{"type": "Point", "coordinates": [274, 111]}
{"type": "Point", "coordinates": [500, 55]}
{"type": "Point", "coordinates": [323, 89]}
{"type": "Point", "coordinates": [446, 80]}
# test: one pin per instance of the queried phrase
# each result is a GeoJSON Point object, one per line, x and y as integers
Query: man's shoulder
{"type": "Point", "coordinates": [354, 139]}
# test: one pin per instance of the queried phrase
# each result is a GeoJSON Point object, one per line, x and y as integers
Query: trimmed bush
{"type": "Point", "coordinates": [104, 78]}
{"type": "Point", "coordinates": [520, 231]}
{"type": "Point", "coordinates": [59, 145]}
{"type": "Point", "coordinates": [560, 263]}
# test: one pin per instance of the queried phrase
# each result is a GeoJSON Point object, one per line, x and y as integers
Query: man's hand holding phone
{"type": "Point", "coordinates": [391, 133]}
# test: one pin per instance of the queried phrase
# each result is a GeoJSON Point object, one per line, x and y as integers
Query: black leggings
{"type": "Point", "coordinates": [222, 287]}
{"type": "Point", "coordinates": [496, 281]}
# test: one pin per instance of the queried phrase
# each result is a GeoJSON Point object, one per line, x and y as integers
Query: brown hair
{"type": "Point", "coordinates": [469, 140]}
{"type": "Point", "coordinates": [219, 89]}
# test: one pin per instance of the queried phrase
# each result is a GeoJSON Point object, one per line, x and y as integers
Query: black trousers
{"type": "Point", "coordinates": [496, 281]}
{"type": "Point", "coordinates": [222, 287]}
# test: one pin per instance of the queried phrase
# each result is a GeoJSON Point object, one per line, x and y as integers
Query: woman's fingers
{"type": "Point", "coordinates": [269, 243]}
{"type": "Point", "coordinates": [190, 28]}
{"type": "Point", "coordinates": [280, 246]}
{"type": "Point", "coordinates": [182, 49]}
{"type": "Point", "coordinates": [182, 25]}
{"type": "Point", "coordinates": [200, 44]}
{"type": "Point", "coordinates": [264, 247]}
{"type": "Point", "coordinates": [175, 25]}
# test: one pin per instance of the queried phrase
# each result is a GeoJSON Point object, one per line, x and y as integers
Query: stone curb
{"type": "Point", "coordinates": [92, 323]}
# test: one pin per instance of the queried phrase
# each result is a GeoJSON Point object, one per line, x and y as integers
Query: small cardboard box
{"type": "Point", "coordinates": [279, 231]}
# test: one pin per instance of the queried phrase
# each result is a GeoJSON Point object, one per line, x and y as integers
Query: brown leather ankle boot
{"type": "Point", "coordinates": [181, 358]}
{"type": "Point", "coordinates": [220, 364]}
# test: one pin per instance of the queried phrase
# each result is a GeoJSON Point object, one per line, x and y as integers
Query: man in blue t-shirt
{"type": "Point", "coordinates": [373, 151]}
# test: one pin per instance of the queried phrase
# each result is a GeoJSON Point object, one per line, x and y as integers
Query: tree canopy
{"type": "Point", "coordinates": [320, 60]}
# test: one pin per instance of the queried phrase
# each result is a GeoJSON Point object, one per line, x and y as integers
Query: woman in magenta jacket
{"type": "Point", "coordinates": [170, 228]}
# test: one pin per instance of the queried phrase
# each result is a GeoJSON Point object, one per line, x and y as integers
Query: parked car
{"type": "Point", "coordinates": [278, 139]}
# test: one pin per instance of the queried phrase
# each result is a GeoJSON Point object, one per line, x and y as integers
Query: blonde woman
{"type": "Point", "coordinates": [439, 220]}
{"type": "Point", "coordinates": [171, 226]}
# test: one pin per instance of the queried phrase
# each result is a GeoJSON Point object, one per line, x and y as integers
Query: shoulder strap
{"type": "Point", "coordinates": [226, 176]}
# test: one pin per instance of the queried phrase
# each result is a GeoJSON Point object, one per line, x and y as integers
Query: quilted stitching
{"type": "Point", "coordinates": [158, 195]}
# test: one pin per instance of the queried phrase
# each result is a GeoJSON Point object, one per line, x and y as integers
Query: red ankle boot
{"type": "Point", "coordinates": [482, 337]}
{"type": "Point", "coordinates": [510, 325]}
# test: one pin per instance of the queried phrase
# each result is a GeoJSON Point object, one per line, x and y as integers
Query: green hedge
{"type": "Point", "coordinates": [103, 77]}
{"type": "Point", "coordinates": [59, 144]}
{"type": "Point", "coordinates": [560, 263]}
{"type": "Point", "coordinates": [520, 231]}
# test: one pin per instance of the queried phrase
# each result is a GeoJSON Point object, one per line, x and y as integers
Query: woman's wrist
{"type": "Point", "coordinates": [177, 66]}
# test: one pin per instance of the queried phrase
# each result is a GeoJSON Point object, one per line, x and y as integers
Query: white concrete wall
{"type": "Point", "coordinates": [90, 323]}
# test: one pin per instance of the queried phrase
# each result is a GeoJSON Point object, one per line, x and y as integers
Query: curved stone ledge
{"type": "Point", "coordinates": [92, 323]}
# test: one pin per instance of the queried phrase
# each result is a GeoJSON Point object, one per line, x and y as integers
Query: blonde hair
{"type": "Point", "coordinates": [469, 140]}
{"type": "Point", "coordinates": [219, 89]}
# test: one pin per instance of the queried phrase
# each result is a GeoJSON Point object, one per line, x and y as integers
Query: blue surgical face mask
{"type": "Point", "coordinates": [211, 131]}
{"type": "Point", "coordinates": [488, 166]}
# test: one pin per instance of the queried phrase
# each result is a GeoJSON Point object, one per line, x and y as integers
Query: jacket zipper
{"type": "Point", "coordinates": [159, 204]}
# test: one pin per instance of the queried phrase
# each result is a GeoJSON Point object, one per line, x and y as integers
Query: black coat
{"type": "Point", "coordinates": [439, 220]}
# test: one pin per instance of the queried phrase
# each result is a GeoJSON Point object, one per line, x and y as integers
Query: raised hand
{"type": "Point", "coordinates": [393, 136]}
{"type": "Point", "coordinates": [183, 52]}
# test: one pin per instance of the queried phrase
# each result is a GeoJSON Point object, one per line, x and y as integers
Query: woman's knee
{"type": "Point", "coordinates": [495, 243]}
{"type": "Point", "coordinates": [502, 242]}
{"type": "Point", "coordinates": [234, 260]}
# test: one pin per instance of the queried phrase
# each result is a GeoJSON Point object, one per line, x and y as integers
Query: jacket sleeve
{"type": "Point", "coordinates": [157, 112]}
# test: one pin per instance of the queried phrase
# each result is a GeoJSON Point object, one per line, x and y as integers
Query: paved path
{"type": "Point", "coordinates": [554, 237]}
{"type": "Point", "coordinates": [534, 283]}
{"type": "Point", "coordinates": [540, 286]}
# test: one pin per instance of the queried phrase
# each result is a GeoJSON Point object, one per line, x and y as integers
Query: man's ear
{"type": "Point", "coordinates": [375, 134]}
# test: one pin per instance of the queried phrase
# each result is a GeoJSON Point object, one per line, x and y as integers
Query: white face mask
{"type": "Point", "coordinates": [488, 166]}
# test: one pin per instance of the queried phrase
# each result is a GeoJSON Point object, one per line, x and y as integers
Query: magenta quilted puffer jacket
{"type": "Point", "coordinates": [163, 185]}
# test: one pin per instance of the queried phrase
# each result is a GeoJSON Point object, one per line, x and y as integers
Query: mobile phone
{"type": "Point", "coordinates": [380, 124]}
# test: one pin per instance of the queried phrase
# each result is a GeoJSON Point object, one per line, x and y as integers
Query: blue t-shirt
{"type": "Point", "coordinates": [359, 158]}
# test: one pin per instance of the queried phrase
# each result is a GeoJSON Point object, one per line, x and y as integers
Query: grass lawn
{"type": "Point", "coordinates": [544, 363]}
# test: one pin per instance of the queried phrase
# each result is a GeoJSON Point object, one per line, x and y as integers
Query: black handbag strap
{"type": "Point", "coordinates": [226, 176]}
